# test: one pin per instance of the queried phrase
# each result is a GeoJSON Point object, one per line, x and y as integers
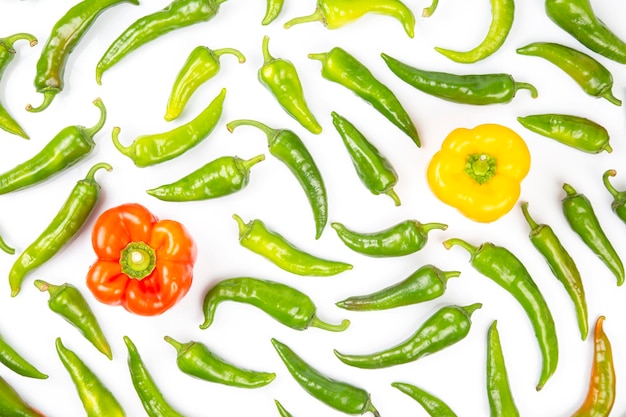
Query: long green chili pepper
{"type": "Point", "coordinates": [13, 360]}
{"type": "Point", "coordinates": [285, 304]}
{"type": "Point", "coordinates": [178, 14]}
{"type": "Point", "coordinates": [152, 149]}
{"type": "Point", "coordinates": [97, 399]}
{"type": "Point", "coordinates": [594, 78]}
{"type": "Point", "coordinates": [64, 37]}
{"type": "Point", "coordinates": [446, 327]}
{"type": "Point", "coordinates": [339, 395]}
{"type": "Point", "coordinates": [344, 69]}
{"type": "Point", "coordinates": [7, 53]}
{"type": "Point", "coordinates": [426, 283]}
{"type": "Point", "coordinates": [374, 170]}
{"type": "Point", "coordinates": [577, 18]}
{"type": "Point", "coordinates": [272, 11]}
{"type": "Point", "coordinates": [197, 360]}
{"type": "Point", "coordinates": [476, 89]}
{"type": "Point", "coordinates": [337, 13]}
{"type": "Point", "coordinates": [561, 264]}
{"type": "Point", "coordinates": [618, 205]}
{"type": "Point", "coordinates": [502, 16]}
{"type": "Point", "coordinates": [201, 65]}
{"type": "Point", "coordinates": [434, 406]}
{"type": "Point", "coordinates": [71, 145]}
{"type": "Point", "coordinates": [582, 218]}
{"type": "Point", "coordinates": [153, 401]}
{"type": "Point", "coordinates": [222, 176]}
{"type": "Point", "coordinates": [256, 237]}
{"type": "Point", "coordinates": [501, 402]}
{"type": "Point", "coordinates": [288, 148]}
{"type": "Point", "coordinates": [282, 411]}
{"type": "Point", "coordinates": [67, 301]}
{"type": "Point", "coordinates": [64, 226]}
{"type": "Point", "coordinates": [12, 404]}
{"type": "Point", "coordinates": [505, 269]}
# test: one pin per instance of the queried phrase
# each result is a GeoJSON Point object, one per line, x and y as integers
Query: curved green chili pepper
{"type": "Point", "coordinates": [582, 218]}
{"type": "Point", "coordinates": [430, 10]}
{"type": "Point", "coordinates": [561, 264]}
{"type": "Point", "coordinates": [10, 358]}
{"type": "Point", "coordinates": [178, 14]}
{"type": "Point", "coordinates": [336, 13]}
{"type": "Point", "coordinates": [503, 13]}
{"type": "Point", "coordinates": [63, 227]}
{"type": "Point", "coordinates": [201, 65]}
{"type": "Point", "coordinates": [501, 402]}
{"type": "Point", "coordinates": [594, 78]}
{"type": "Point", "coordinates": [272, 10]}
{"type": "Point", "coordinates": [618, 205]}
{"type": "Point", "coordinates": [434, 406]}
{"type": "Point", "coordinates": [282, 410]}
{"type": "Point", "coordinates": [339, 395]}
{"type": "Point", "coordinates": [344, 69]}
{"type": "Point", "coordinates": [64, 37]}
{"type": "Point", "coordinates": [147, 150]}
{"type": "Point", "coordinates": [476, 89]}
{"type": "Point", "coordinates": [197, 360]}
{"type": "Point", "coordinates": [373, 169]}
{"type": "Point", "coordinates": [222, 176]}
{"type": "Point", "coordinates": [97, 399]}
{"type": "Point", "coordinates": [285, 304]}
{"type": "Point", "coordinates": [505, 269]}
{"type": "Point", "coordinates": [426, 283]}
{"type": "Point", "coordinates": [67, 301]}
{"type": "Point", "coordinates": [12, 404]}
{"type": "Point", "coordinates": [447, 326]}
{"type": "Point", "coordinates": [288, 148]}
{"type": "Point", "coordinates": [71, 145]}
{"type": "Point", "coordinates": [574, 131]}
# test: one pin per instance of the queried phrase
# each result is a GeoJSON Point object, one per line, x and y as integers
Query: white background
{"type": "Point", "coordinates": [135, 92]}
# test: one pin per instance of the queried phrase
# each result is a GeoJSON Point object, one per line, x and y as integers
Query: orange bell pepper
{"type": "Point", "coordinates": [144, 264]}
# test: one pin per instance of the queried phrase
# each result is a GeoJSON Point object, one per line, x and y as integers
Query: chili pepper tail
{"type": "Point", "coordinates": [48, 96]}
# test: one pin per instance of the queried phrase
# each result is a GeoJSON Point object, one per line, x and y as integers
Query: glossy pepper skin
{"type": "Point", "coordinates": [505, 269]}
{"type": "Point", "coordinates": [341, 67]}
{"type": "Point", "coordinates": [13, 360]}
{"type": "Point", "coordinates": [434, 406]}
{"type": "Point", "coordinates": [68, 221]}
{"type": "Point", "coordinates": [12, 404]}
{"type": "Point", "coordinates": [65, 36]}
{"type": "Point", "coordinates": [152, 149]}
{"type": "Point", "coordinates": [501, 401]}
{"type": "Point", "coordinates": [178, 14]}
{"type": "Point", "coordinates": [618, 205]}
{"type": "Point", "coordinates": [445, 327]}
{"type": "Point", "coordinates": [339, 395]}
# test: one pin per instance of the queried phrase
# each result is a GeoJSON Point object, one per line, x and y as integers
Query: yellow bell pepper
{"type": "Point", "coordinates": [479, 171]}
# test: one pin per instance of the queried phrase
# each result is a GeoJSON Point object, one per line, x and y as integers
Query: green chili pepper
{"type": "Point", "coordinates": [336, 13]}
{"type": "Point", "coordinates": [153, 401]}
{"type": "Point", "coordinates": [147, 150]}
{"type": "Point", "coordinates": [561, 264]}
{"type": "Point", "coordinates": [505, 269]}
{"type": "Point", "coordinates": [10, 358]}
{"type": "Point", "coordinates": [222, 176]}
{"type": "Point", "coordinates": [501, 402]}
{"type": "Point", "coordinates": [201, 65]}
{"type": "Point", "coordinates": [197, 360]}
{"type": "Point", "coordinates": [281, 78]}
{"type": "Point", "coordinates": [285, 304]}
{"type": "Point", "coordinates": [12, 404]}
{"type": "Point", "coordinates": [256, 237]}
{"type": "Point", "coordinates": [373, 169]}
{"type": "Point", "coordinates": [63, 227]}
{"type": "Point", "coordinates": [64, 37]}
{"type": "Point", "coordinates": [582, 218]}
{"type": "Point", "coordinates": [594, 78]}
{"type": "Point", "coordinates": [434, 406]}
{"type": "Point", "coordinates": [476, 89]}
{"type": "Point", "coordinates": [97, 399]}
{"type": "Point", "coordinates": [577, 18]}
{"type": "Point", "coordinates": [618, 205]}
{"type": "Point", "coordinates": [69, 146]}
{"type": "Point", "coordinates": [339, 395]}
{"type": "Point", "coordinates": [502, 16]}
{"type": "Point", "coordinates": [282, 410]}
{"type": "Point", "coordinates": [288, 148]}
{"type": "Point", "coordinates": [344, 69]}
{"type": "Point", "coordinates": [428, 11]}
{"type": "Point", "coordinates": [178, 14]}
{"type": "Point", "coordinates": [574, 131]}
{"type": "Point", "coordinates": [426, 283]}
{"type": "Point", "coordinates": [67, 301]}
{"type": "Point", "coordinates": [272, 10]}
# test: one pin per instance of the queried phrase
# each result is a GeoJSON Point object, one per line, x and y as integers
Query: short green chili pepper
{"type": "Point", "coordinates": [618, 205]}
{"type": "Point", "coordinates": [434, 406]}
{"type": "Point", "coordinates": [282, 411]}
{"type": "Point", "coordinates": [12, 403]}
{"type": "Point", "coordinates": [13, 360]}
{"type": "Point", "coordinates": [501, 402]}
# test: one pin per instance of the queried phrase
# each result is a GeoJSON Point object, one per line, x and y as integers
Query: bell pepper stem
{"type": "Point", "coordinates": [230, 51]}
{"type": "Point", "coordinates": [316, 16]}
{"type": "Point", "coordinates": [316, 322]}
{"type": "Point", "coordinates": [137, 260]}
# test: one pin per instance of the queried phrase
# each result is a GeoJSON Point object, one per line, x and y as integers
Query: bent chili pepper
{"type": "Point", "coordinates": [339, 395]}
{"type": "Point", "coordinates": [272, 11]}
{"type": "Point", "coordinates": [501, 402]}
{"type": "Point", "coordinates": [12, 404]}
{"type": "Point", "coordinates": [143, 263]}
{"type": "Point", "coordinates": [64, 226]}
{"type": "Point", "coordinates": [197, 360]}
{"type": "Point", "coordinates": [283, 303]}
{"type": "Point", "coordinates": [152, 149]}
{"type": "Point", "coordinates": [344, 69]}
{"type": "Point", "coordinates": [505, 269]}
{"type": "Point", "coordinates": [618, 205]}
{"type": "Point", "coordinates": [13, 360]}
{"type": "Point", "coordinates": [434, 406]}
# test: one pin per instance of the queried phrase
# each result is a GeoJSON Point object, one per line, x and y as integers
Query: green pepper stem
{"type": "Point", "coordinates": [44, 286]}
{"type": "Point", "coordinates": [446, 275]}
{"type": "Point", "coordinates": [48, 96]}
{"type": "Point", "coordinates": [527, 86]}
{"type": "Point", "coordinates": [611, 98]}
{"type": "Point", "coordinates": [531, 222]}
{"type": "Point", "coordinates": [316, 322]}
{"type": "Point", "coordinates": [316, 16]}
{"type": "Point", "coordinates": [427, 227]}
{"type": "Point", "coordinates": [137, 260]}
{"type": "Point", "coordinates": [571, 191]}
{"type": "Point", "coordinates": [428, 11]}
{"type": "Point", "coordinates": [180, 347]}
{"type": "Point", "coordinates": [247, 122]}
{"type": "Point", "coordinates": [91, 174]}
{"type": "Point", "coordinates": [267, 56]}
{"type": "Point", "coordinates": [231, 51]}
{"type": "Point", "coordinates": [607, 183]}
{"type": "Point", "coordinates": [471, 308]}
{"type": "Point", "coordinates": [396, 199]}
{"type": "Point", "coordinates": [245, 165]}
{"type": "Point", "coordinates": [322, 56]}
{"type": "Point", "coordinates": [4, 246]}
{"type": "Point", "coordinates": [100, 123]}
{"type": "Point", "coordinates": [456, 241]}
{"type": "Point", "coordinates": [125, 150]}
{"type": "Point", "coordinates": [243, 227]}
{"type": "Point", "coordinates": [10, 40]}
